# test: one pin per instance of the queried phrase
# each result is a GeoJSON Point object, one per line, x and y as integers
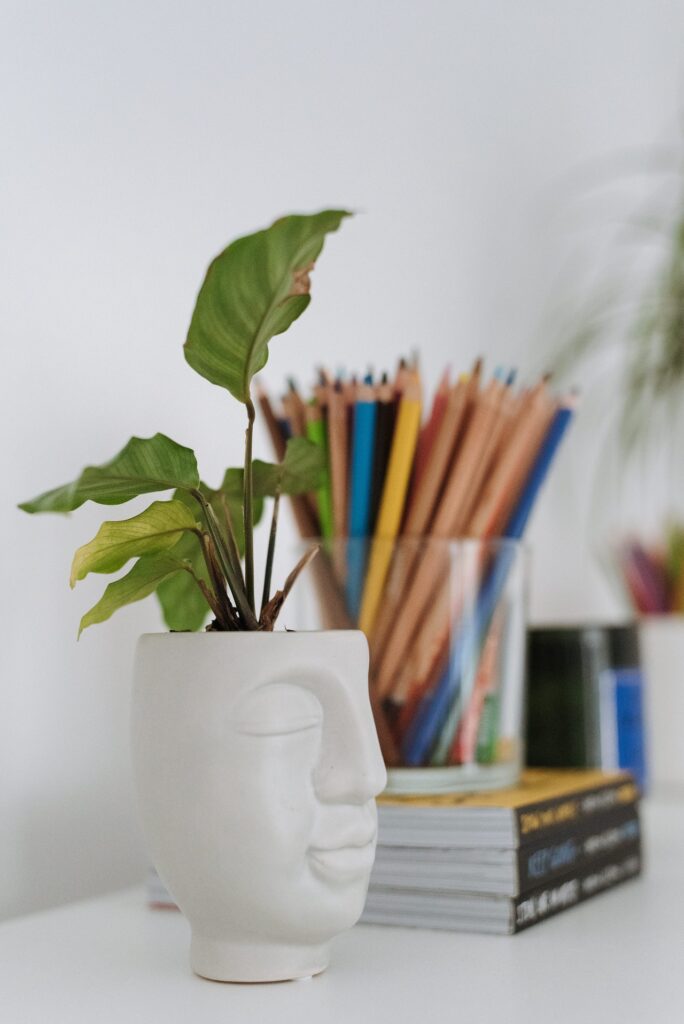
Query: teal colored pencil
{"type": "Point", "coordinates": [363, 447]}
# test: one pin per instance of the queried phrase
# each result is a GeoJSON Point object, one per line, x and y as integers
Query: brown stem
{"type": "Point", "coordinates": [207, 594]}
{"type": "Point", "coordinates": [221, 605]}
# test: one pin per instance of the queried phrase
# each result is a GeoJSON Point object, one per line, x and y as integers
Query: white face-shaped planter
{"type": "Point", "coordinates": [257, 765]}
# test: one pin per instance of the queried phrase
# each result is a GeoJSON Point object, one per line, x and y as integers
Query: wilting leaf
{"type": "Point", "coordinates": [144, 465]}
{"type": "Point", "coordinates": [252, 291]}
{"type": "Point", "coordinates": [144, 578]}
{"type": "Point", "coordinates": [156, 529]}
{"type": "Point", "coordinates": [271, 611]}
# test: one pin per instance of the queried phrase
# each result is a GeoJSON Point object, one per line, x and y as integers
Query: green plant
{"type": "Point", "coordinates": [196, 550]}
{"type": "Point", "coordinates": [631, 329]}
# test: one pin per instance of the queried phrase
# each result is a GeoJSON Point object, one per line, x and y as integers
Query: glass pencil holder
{"type": "Point", "coordinates": [446, 628]}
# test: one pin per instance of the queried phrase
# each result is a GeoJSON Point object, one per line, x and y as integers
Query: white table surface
{"type": "Point", "coordinates": [617, 958]}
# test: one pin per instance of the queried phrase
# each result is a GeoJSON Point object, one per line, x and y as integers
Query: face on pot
{"type": "Point", "coordinates": [289, 778]}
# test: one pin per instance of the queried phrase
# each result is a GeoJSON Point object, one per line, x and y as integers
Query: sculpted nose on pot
{"type": "Point", "coordinates": [351, 768]}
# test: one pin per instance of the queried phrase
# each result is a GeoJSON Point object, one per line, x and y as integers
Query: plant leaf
{"type": "Point", "coordinates": [156, 529]}
{"type": "Point", "coordinates": [145, 464]}
{"type": "Point", "coordinates": [301, 470]}
{"type": "Point", "coordinates": [145, 576]}
{"type": "Point", "coordinates": [252, 291]}
{"type": "Point", "coordinates": [182, 602]}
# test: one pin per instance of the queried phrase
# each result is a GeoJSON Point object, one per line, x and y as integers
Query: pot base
{"type": "Point", "coordinates": [245, 963]}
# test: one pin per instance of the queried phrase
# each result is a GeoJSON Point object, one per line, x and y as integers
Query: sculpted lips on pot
{"type": "Point", "coordinates": [344, 861]}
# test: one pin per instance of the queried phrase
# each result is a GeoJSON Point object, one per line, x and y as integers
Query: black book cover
{"type": "Point", "coordinates": [568, 891]}
{"type": "Point", "coordinates": [592, 840]}
{"type": "Point", "coordinates": [571, 811]}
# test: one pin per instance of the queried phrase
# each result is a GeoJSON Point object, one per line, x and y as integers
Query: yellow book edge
{"type": "Point", "coordinates": [536, 786]}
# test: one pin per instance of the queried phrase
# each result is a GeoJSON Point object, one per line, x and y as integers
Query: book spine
{"type": "Point", "coordinates": [537, 821]}
{"type": "Point", "coordinates": [573, 849]}
{"type": "Point", "coordinates": [531, 908]}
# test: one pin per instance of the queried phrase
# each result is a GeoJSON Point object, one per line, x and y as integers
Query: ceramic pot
{"type": "Point", "coordinates": [257, 764]}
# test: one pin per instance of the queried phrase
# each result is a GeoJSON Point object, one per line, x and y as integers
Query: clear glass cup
{"type": "Point", "coordinates": [446, 626]}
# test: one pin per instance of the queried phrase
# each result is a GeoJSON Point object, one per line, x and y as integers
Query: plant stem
{"type": "Point", "coordinates": [248, 501]}
{"type": "Point", "coordinates": [232, 545]}
{"type": "Point", "coordinates": [235, 583]}
{"type": "Point", "coordinates": [266, 593]}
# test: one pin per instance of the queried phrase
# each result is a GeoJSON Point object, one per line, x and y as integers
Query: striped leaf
{"type": "Point", "coordinates": [143, 579]}
{"type": "Point", "coordinates": [144, 465]}
{"type": "Point", "coordinates": [157, 529]}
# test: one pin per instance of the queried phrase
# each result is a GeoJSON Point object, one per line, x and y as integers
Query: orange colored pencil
{"type": "Point", "coordinates": [425, 502]}
{"type": "Point", "coordinates": [272, 425]}
{"type": "Point", "coordinates": [459, 496]}
{"type": "Point", "coordinates": [429, 432]}
{"type": "Point", "coordinates": [508, 478]}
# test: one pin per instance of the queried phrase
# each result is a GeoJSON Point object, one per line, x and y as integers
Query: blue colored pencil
{"type": "Point", "coordinates": [363, 445]}
{"type": "Point", "coordinates": [424, 731]}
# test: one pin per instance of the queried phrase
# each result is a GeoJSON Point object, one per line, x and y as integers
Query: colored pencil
{"type": "Point", "coordinates": [384, 428]}
{"type": "Point", "coordinates": [363, 441]}
{"type": "Point", "coordinates": [429, 432]}
{"type": "Point", "coordinates": [422, 510]}
{"type": "Point", "coordinates": [393, 496]}
{"type": "Point", "coordinates": [474, 469]}
{"type": "Point", "coordinates": [431, 716]}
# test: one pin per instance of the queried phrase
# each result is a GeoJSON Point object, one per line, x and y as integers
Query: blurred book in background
{"type": "Point", "coordinates": [585, 701]}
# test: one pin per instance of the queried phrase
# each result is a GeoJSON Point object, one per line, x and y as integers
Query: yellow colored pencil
{"type": "Point", "coordinates": [393, 498]}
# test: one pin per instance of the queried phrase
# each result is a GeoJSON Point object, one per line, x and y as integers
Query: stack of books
{"type": "Point", "coordinates": [500, 862]}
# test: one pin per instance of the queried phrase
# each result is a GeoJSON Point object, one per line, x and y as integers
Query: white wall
{"type": "Point", "coordinates": [137, 139]}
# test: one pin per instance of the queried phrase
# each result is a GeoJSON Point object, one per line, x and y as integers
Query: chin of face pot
{"type": "Point", "coordinates": [293, 841]}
